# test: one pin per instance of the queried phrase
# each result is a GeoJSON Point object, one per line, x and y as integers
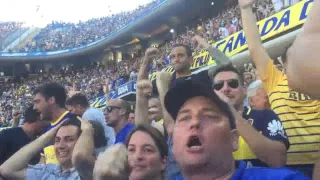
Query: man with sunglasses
{"type": "Point", "coordinates": [117, 113]}
{"type": "Point", "coordinates": [263, 141]}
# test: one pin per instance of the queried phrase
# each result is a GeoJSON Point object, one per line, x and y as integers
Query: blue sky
{"type": "Point", "coordinates": [62, 10]}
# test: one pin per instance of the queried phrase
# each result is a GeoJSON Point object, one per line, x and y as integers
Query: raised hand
{"type": "Point", "coordinates": [144, 88]}
{"type": "Point", "coordinates": [150, 54]}
{"type": "Point", "coordinates": [246, 3]}
{"type": "Point", "coordinates": [85, 124]}
{"type": "Point", "coordinates": [106, 86]}
{"type": "Point", "coordinates": [112, 164]}
{"type": "Point", "coordinates": [201, 42]}
{"type": "Point", "coordinates": [163, 80]}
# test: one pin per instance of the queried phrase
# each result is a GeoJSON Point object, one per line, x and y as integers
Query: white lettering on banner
{"type": "Point", "coordinates": [123, 90]}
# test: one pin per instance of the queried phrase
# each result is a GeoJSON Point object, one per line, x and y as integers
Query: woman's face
{"type": "Point", "coordinates": [144, 157]}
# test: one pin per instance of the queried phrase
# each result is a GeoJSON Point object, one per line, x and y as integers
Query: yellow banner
{"type": "Point", "coordinates": [269, 27]}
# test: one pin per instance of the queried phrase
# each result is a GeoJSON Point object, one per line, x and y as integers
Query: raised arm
{"type": "Point", "coordinates": [83, 157]}
{"type": "Point", "coordinates": [303, 68]}
{"type": "Point", "coordinates": [106, 89]}
{"type": "Point", "coordinates": [163, 84]}
{"type": "Point", "coordinates": [258, 54]}
{"type": "Point", "coordinates": [15, 166]}
{"type": "Point", "coordinates": [144, 90]}
{"type": "Point", "coordinates": [144, 67]}
{"type": "Point", "coordinates": [219, 57]}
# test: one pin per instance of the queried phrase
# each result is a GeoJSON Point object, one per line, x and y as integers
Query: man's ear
{"type": "Point", "coordinates": [51, 100]}
{"type": "Point", "coordinates": [235, 139]}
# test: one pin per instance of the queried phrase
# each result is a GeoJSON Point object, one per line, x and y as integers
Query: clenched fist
{"type": "Point", "coordinates": [150, 54]}
{"type": "Point", "coordinates": [246, 3]}
{"type": "Point", "coordinates": [112, 164]}
{"type": "Point", "coordinates": [144, 88]}
{"type": "Point", "coordinates": [163, 80]}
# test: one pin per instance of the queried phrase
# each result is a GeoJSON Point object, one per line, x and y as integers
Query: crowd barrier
{"type": "Point", "coordinates": [269, 27]}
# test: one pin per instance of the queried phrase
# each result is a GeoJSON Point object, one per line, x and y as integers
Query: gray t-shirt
{"type": "Point", "coordinates": [50, 172]}
{"type": "Point", "coordinates": [93, 114]}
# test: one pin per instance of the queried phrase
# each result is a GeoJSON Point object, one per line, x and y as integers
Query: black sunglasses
{"type": "Point", "coordinates": [233, 83]}
{"type": "Point", "coordinates": [110, 108]}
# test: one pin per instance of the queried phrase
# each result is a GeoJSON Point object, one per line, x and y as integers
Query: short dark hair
{"type": "Point", "coordinates": [78, 99]}
{"type": "Point", "coordinates": [227, 68]}
{"type": "Point", "coordinates": [72, 120]}
{"type": "Point", "coordinates": [126, 106]}
{"type": "Point", "coordinates": [188, 49]}
{"type": "Point", "coordinates": [55, 90]}
{"type": "Point", "coordinates": [99, 137]}
{"type": "Point", "coordinates": [155, 134]}
{"type": "Point", "coordinates": [31, 115]}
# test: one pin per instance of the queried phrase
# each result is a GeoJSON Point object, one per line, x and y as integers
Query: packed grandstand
{"type": "Point", "coordinates": [116, 75]}
{"type": "Point", "coordinates": [60, 36]}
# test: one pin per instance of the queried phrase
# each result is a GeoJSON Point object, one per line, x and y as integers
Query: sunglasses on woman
{"type": "Point", "coordinates": [233, 83]}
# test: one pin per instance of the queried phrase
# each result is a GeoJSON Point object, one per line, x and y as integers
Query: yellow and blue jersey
{"type": "Point", "coordinates": [268, 124]}
{"type": "Point", "coordinates": [299, 114]}
{"type": "Point", "coordinates": [48, 151]}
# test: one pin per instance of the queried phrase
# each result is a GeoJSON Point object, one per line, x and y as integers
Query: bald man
{"type": "Point", "coordinates": [117, 113]}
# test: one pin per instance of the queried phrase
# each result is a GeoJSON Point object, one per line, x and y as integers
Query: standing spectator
{"type": "Point", "coordinates": [116, 113]}
{"type": "Point", "coordinates": [13, 139]}
{"type": "Point", "coordinates": [50, 101]}
{"type": "Point", "coordinates": [298, 112]}
{"type": "Point", "coordinates": [78, 104]}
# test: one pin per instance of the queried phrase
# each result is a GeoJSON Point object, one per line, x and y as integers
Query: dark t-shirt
{"type": "Point", "coordinates": [268, 124]}
{"type": "Point", "coordinates": [11, 140]}
{"type": "Point", "coordinates": [202, 77]}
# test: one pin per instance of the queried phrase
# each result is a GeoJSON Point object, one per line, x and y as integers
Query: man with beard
{"type": "Point", "coordinates": [116, 113]}
{"type": "Point", "coordinates": [49, 101]}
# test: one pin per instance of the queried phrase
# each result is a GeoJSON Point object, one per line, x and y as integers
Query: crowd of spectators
{"type": "Point", "coordinates": [59, 35]}
{"type": "Point", "coordinates": [6, 28]}
{"type": "Point", "coordinates": [90, 80]}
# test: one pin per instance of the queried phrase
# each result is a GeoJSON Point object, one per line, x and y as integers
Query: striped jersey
{"type": "Point", "coordinates": [299, 115]}
{"type": "Point", "coordinates": [48, 151]}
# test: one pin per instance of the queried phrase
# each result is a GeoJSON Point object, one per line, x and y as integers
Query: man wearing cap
{"type": "Point", "coordinates": [205, 136]}
{"type": "Point", "coordinates": [263, 141]}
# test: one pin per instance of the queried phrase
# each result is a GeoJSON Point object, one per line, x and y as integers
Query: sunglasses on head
{"type": "Point", "coordinates": [233, 83]}
{"type": "Point", "coordinates": [111, 108]}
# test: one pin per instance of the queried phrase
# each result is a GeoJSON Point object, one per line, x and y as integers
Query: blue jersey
{"type": "Point", "coordinates": [268, 124]}
{"type": "Point", "coordinates": [122, 135]}
{"type": "Point", "coordinates": [263, 173]}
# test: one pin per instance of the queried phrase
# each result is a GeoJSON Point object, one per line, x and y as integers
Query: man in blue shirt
{"type": "Point", "coordinates": [78, 104]}
{"type": "Point", "coordinates": [117, 113]}
{"type": "Point", "coordinates": [205, 136]}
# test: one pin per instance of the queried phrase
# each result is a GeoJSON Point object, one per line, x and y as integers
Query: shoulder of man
{"type": "Point", "coordinates": [272, 173]}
